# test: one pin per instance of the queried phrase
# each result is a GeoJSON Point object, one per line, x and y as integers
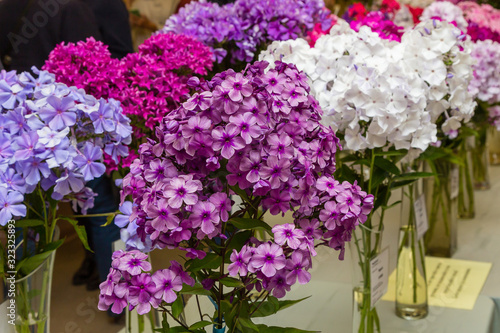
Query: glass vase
{"type": "Point", "coordinates": [441, 194]}
{"type": "Point", "coordinates": [411, 283]}
{"type": "Point", "coordinates": [466, 206]}
{"type": "Point", "coordinates": [494, 146]}
{"type": "Point", "coordinates": [33, 298]}
{"type": "Point", "coordinates": [364, 246]}
{"type": "Point", "coordinates": [480, 163]}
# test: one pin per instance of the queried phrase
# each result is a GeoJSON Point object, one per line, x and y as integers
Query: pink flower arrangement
{"type": "Point", "coordinates": [149, 84]}
{"type": "Point", "coordinates": [484, 20]}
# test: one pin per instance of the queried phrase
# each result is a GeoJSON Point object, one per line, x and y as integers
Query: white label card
{"type": "Point", "coordinates": [421, 216]}
{"type": "Point", "coordinates": [379, 276]}
{"type": "Point", "coordinates": [454, 187]}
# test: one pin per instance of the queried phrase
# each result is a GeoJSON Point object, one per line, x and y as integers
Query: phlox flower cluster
{"type": "Point", "coordinates": [53, 139]}
{"type": "Point", "coordinates": [494, 116]}
{"type": "Point", "coordinates": [367, 95]}
{"type": "Point", "coordinates": [254, 133]}
{"type": "Point", "coordinates": [149, 84]}
{"type": "Point", "coordinates": [485, 83]}
{"type": "Point", "coordinates": [131, 283]}
{"type": "Point", "coordinates": [440, 54]}
{"type": "Point", "coordinates": [445, 11]}
{"type": "Point", "coordinates": [483, 20]}
{"type": "Point", "coordinates": [237, 30]}
{"type": "Point", "coordinates": [381, 24]}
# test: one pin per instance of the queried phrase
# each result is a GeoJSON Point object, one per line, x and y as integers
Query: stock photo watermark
{"type": "Point", "coordinates": [11, 273]}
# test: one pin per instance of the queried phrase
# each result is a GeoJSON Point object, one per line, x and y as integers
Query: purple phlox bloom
{"type": "Point", "coordinates": [268, 258]}
{"type": "Point", "coordinates": [330, 215]}
{"type": "Point", "coordinates": [123, 219]}
{"type": "Point", "coordinates": [294, 95]}
{"type": "Point", "coordinates": [16, 121]}
{"type": "Point", "coordinates": [59, 112]}
{"type": "Point", "coordinates": [277, 202]}
{"type": "Point", "coordinates": [60, 154]}
{"type": "Point", "coordinates": [182, 189]}
{"type": "Point", "coordinates": [196, 126]}
{"type": "Point", "coordinates": [275, 82]}
{"type": "Point", "coordinates": [27, 145]}
{"type": "Point", "coordinates": [236, 176]}
{"type": "Point", "coordinates": [238, 87]}
{"type": "Point", "coordinates": [239, 262]}
{"type": "Point", "coordinates": [103, 118]}
{"type": "Point", "coordinates": [141, 293]}
{"type": "Point", "coordinates": [160, 169]}
{"type": "Point", "coordinates": [280, 146]}
{"type": "Point", "coordinates": [107, 287]}
{"type": "Point", "coordinates": [12, 180]}
{"type": "Point", "coordinates": [134, 263]}
{"type": "Point", "coordinates": [167, 283]}
{"type": "Point", "coordinates": [287, 233]}
{"type": "Point", "coordinates": [51, 138]}
{"type": "Point", "coordinates": [10, 96]}
{"type": "Point", "coordinates": [279, 285]}
{"type": "Point", "coordinates": [205, 216]}
{"type": "Point", "coordinates": [6, 150]}
{"type": "Point", "coordinates": [227, 141]}
{"type": "Point", "coordinates": [257, 108]}
{"type": "Point", "coordinates": [117, 303]}
{"type": "Point", "coordinates": [10, 205]}
{"type": "Point", "coordinates": [297, 265]}
{"type": "Point", "coordinates": [68, 183]}
{"type": "Point", "coordinates": [32, 168]}
{"type": "Point", "coordinates": [348, 202]}
{"type": "Point", "coordinates": [84, 199]}
{"type": "Point", "coordinates": [222, 204]}
{"type": "Point", "coordinates": [311, 228]}
{"type": "Point", "coordinates": [116, 149]}
{"type": "Point", "coordinates": [251, 165]}
{"type": "Point", "coordinates": [86, 162]}
{"type": "Point", "coordinates": [163, 216]}
{"type": "Point", "coordinates": [199, 100]}
{"type": "Point", "coordinates": [276, 171]}
{"type": "Point", "coordinates": [177, 269]}
{"type": "Point", "coordinates": [330, 185]}
{"type": "Point", "coordinates": [247, 126]}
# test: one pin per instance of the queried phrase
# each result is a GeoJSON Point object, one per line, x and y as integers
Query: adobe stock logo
{"type": "Point", "coordinates": [29, 29]}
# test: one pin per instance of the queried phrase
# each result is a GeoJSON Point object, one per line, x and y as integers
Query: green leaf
{"type": "Point", "coordinates": [250, 224]}
{"type": "Point", "coordinates": [26, 223]}
{"type": "Point", "coordinates": [242, 194]}
{"type": "Point", "coordinates": [197, 289]}
{"type": "Point", "coordinates": [211, 261]}
{"type": "Point", "coordinates": [28, 265]}
{"type": "Point", "coordinates": [200, 324]}
{"type": "Point", "coordinates": [246, 325]}
{"type": "Point", "coordinates": [398, 184]}
{"type": "Point", "coordinates": [110, 218]}
{"type": "Point", "coordinates": [231, 282]}
{"type": "Point", "coordinates": [239, 240]}
{"type": "Point", "coordinates": [177, 307]}
{"type": "Point", "coordinates": [274, 329]}
{"type": "Point", "coordinates": [345, 173]}
{"type": "Point", "coordinates": [80, 231]}
{"type": "Point", "coordinates": [273, 305]}
{"type": "Point", "coordinates": [387, 165]}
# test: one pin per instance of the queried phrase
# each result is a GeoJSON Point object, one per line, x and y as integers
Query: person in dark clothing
{"type": "Point", "coordinates": [113, 22]}
{"type": "Point", "coordinates": [30, 29]}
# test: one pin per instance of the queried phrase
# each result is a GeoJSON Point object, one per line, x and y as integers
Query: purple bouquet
{"type": "Point", "coordinates": [238, 31]}
{"type": "Point", "coordinates": [52, 142]}
{"type": "Point", "coordinates": [254, 135]}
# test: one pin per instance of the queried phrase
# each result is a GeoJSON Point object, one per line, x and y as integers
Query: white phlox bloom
{"type": "Point", "coordinates": [446, 11]}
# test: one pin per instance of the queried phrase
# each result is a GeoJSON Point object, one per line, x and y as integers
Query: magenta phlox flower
{"type": "Point", "coordinates": [246, 125]}
{"type": "Point", "coordinates": [276, 170]}
{"type": "Point", "coordinates": [200, 100]}
{"type": "Point", "coordinates": [251, 166]}
{"type": "Point", "coordinates": [167, 283]}
{"type": "Point", "coordinates": [279, 284]}
{"type": "Point", "coordinates": [181, 190]}
{"type": "Point", "coordinates": [297, 265]}
{"type": "Point", "coordinates": [177, 269]}
{"type": "Point", "coordinates": [159, 170]}
{"type": "Point", "coordinates": [141, 293]}
{"type": "Point", "coordinates": [238, 87]}
{"type": "Point", "coordinates": [348, 202]}
{"type": "Point", "coordinates": [227, 141]}
{"type": "Point", "coordinates": [330, 185]}
{"type": "Point", "coordinates": [311, 228]}
{"type": "Point", "coordinates": [163, 216]}
{"type": "Point", "coordinates": [204, 215]}
{"type": "Point", "coordinates": [222, 204]}
{"type": "Point", "coordinates": [287, 234]}
{"type": "Point", "coordinates": [240, 262]}
{"type": "Point", "coordinates": [237, 176]}
{"type": "Point", "coordinates": [280, 146]}
{"type": "Point", "coordinates": [277, 202]}
{"type": "Point", "coordinates": [268, 259]}
{"type": "Point", "coordinates": [330, 214]}
{"type": "Point", "coordinates": [134, 262]}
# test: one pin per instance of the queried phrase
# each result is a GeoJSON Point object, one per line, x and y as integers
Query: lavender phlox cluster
{"type": "Point", "coordinates": [441, 55]}
{"type": "Point", "coordinates": [365, 92]}
{"type": "Point", "coordinates": [238, 29]}
{"type": "Point", "coordinates": [256, 134]}
{"type": "Point", "coordinates": [131, 283]}
{"type": "Point", "coordinates": [494, 116]}
{"type": "Point", "coordinates": [53, 139]}
{"type": "Point", "coordinates": [446, 11]}
{"type": "Point", "coordinates": [485, 84]}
